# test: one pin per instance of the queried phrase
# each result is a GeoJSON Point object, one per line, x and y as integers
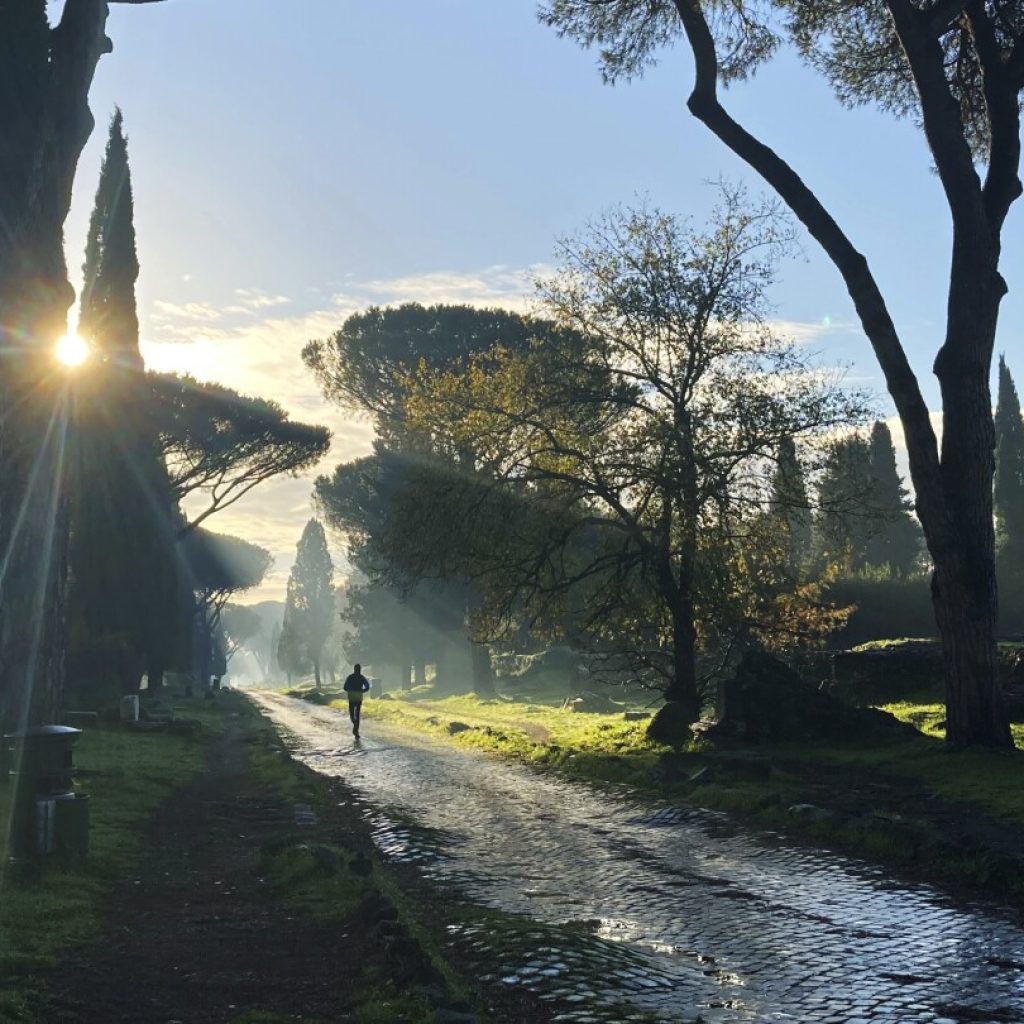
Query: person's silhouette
{"type": "Point", "coordinates": [355, 686]}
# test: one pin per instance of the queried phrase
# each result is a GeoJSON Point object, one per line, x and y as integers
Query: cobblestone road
{"type": "Point", "coordinates": [696, 915]}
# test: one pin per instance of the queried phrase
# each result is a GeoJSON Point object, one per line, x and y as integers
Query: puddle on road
{"type": "Point", "coordinates": [689, 914]}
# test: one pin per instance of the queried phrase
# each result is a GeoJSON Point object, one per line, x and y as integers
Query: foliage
{"type": "Point", "coordinates": [642, 431]}
{"type": "Point", "coordinates": [791, 508]}
{"type": "Point", "coordinates": [363, 365]}
{"type": "Point", "coordinates": [402, 522]}
{"type": "Point", "coordinates": [123, 579]}
{"type": "Point", "coordinates": [863, 514]}
{"type": "Point", "coordinates": [896, 541]}
{"type": "Point", "coordinates": [291, 653]}
{"type": "Point", "coordinates": [884, 606]}
{"type": "Point", "coordinates": [216, 566]}
{"type": "Point", "coordinates": [240, 625]}
{"type": "Point", "coordinates": [220, 565]}
{"type": "Point", "coordinates": [1009, 498]}
{"type": "Point", "coordinates": [108, 315]}
{"type": "Point", "coordinates": [857, 49]}
{"type": "Point", "coordinates": [224, 444]}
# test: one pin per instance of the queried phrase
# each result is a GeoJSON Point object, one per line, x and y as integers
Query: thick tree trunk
{"type": "Point", "coordinates": [962, 543]}
{"type": "Point", "coordinates": [682, 688]}
{"type": "Point", "coordinates": [316, 672]}
{"type": "Point", "coordinates": [44, 123]}
{"type": "Point", "coordinates": [419, 673]}
{"type": "Point", "coordinates": [406, 676]}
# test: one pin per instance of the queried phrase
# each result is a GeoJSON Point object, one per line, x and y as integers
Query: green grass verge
{"type": "Point", "coordinates": [602, 747]}
{"type": "Point", "coordinates": [127, 775]}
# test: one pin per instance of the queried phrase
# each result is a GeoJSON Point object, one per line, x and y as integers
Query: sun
{"type": "Point", "coordinates": [72, 350]}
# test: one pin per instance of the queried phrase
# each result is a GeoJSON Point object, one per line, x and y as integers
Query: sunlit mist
{"type": "Point", "coordinates": [72, 350]}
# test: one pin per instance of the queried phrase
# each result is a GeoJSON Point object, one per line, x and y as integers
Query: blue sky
{"type": "Point", "coordinates": [294, 162]}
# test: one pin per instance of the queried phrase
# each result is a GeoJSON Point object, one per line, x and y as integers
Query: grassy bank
{"type": "Point", "coordinates": [127, 775]}
{"type": "Point", "coordinates": [955, 817]}
{"type": "Point", "coordinates": [340, 881]}
{"type": "Point", "coordinates": [56, 910]}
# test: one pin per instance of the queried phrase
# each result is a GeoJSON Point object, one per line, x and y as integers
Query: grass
{"type": "Point", "coordinates": [127, 775]}
{"type": "Point", "coordinates": [992, 780]}
{"type": "Point", "coordinates": [599, 746]}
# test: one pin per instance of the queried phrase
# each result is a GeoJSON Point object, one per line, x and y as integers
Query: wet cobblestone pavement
{"type": "Point", "coordinates": [691, 914]}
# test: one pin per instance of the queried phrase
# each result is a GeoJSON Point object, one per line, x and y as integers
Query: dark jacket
{"type": "Point", "coordinates": [356, 683]}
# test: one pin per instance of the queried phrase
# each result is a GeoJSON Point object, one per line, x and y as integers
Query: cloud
{"type": "Point", "coordinates": [803, 332]}
{"type": "Point", "coordinates": [499, 285]}
{"type": "Point", "coordinates": [171, 313]}
{"type": "Point", "coordinates": [253, 299]}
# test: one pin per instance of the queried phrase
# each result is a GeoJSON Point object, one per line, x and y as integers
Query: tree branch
{"type": "Point", "coordinates": [851, 264]}
{"type": "Point", "coordinates": [1002, 183]}
{"type": "Point", "coordinates": [942, 117]}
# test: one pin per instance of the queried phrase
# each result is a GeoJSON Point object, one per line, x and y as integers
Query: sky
{"type": "Point", "coordinates": [295, 163]}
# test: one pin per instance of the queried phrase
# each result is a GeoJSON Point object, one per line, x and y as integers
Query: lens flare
{"type": "Point", "coordinates": [72, 350]}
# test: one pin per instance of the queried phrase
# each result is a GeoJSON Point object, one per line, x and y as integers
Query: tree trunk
{"type": "Point", "coordinates": [964, 590]}
{"type": "Point", "coordinates": [406, 673]}
{"type": "Point", "coordinates": [316, 672]}
{"type": "Point", "coordinates": [677, 580]}
{"type": "Point", "coordinates": [483, 673]}
{"type": "Point", "coordinates": [682, 689]}
{"type": "Point", "coordinates": [45, 121]}
{"type": "Point", "coordinates": [419, 673]}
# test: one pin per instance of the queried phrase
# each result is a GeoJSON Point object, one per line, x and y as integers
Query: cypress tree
{"type": "Point", "coordinates": [791, 507]}
{"type": "Point", "coordinates": [1008, 496]}
{"type": "Point", "coordinates": [108, 315]}
{"type": "Point", "coordinates": [1009, 478]}
{"type": "Point", "coordinates": [309, 609]}
{"type": "Point", "coordinates": [124, 591]}
{"type": "Point", "coordinates": [895, 540]}
{"type": "Point", "coordinates": [843, 524]}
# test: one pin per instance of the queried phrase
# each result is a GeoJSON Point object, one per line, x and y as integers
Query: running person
{"type": "Point", "coordinates": [355, 686]}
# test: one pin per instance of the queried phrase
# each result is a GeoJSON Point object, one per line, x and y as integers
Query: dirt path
{"type": "Point", "coordinates": [196, 935]}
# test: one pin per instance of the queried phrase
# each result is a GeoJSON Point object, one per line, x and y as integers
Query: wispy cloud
{"type": "Point", "coordinates": [255, 300]}
{"type": "Point", "coordinates": [499, 285]}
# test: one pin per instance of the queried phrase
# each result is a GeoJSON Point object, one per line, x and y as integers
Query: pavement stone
{"type": "Point", "coordinates": [695, 914]}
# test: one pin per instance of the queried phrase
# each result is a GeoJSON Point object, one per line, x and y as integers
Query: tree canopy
{"type": "Point", "coordinates": [362, 365]}
{"type": "Point", "coordinates": [649, 422]}
{"type": "Point", "coordinates": [224, 444]}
